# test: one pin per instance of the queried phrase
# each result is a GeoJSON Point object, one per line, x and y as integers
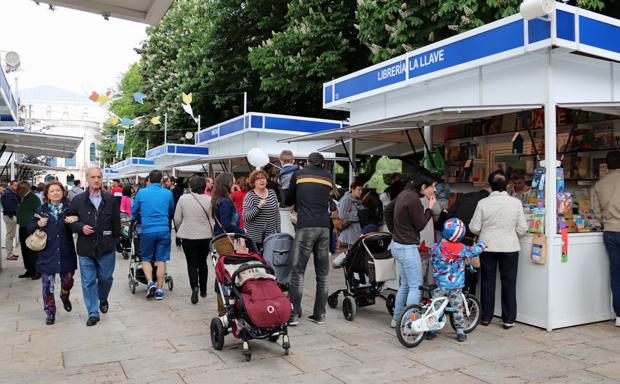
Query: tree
{"type": "Point", "coordinates": [392, 27]}
{"type": "Point", "coordinates": [318, 44]}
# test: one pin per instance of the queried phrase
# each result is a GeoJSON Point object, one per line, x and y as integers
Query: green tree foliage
{"type": "Point", "coordinates": [317, 44]}
{"type": "Point", "coordinates": [392, 27]}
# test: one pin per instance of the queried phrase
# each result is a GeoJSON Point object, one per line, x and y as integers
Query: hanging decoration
{"type": "Point", "coordinates": [139, 97]}
{"type": "Point", "coordinates": [125, 122]}
{"type": "Point", "coordinates": [156, 120]}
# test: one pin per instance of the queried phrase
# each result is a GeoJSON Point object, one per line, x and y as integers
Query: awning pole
{"type": "Point", "coordinates": [7, 162]}
{"type": "Point", "coordinates": [410, 141]}
{"type": "Point", "coordinates": [426, 146]}
{"type": "Point", "coordinates": [523, 116]}
{"type": "Point", "coordinates": [346, 151]}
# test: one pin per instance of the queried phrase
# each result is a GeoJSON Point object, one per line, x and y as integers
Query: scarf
{"type": "Point", "coordinates": [55, 209]}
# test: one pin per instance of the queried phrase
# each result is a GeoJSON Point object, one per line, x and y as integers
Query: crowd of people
{"type": "Point", "coordinates": [480, 230]}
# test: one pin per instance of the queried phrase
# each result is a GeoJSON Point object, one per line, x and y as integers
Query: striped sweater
{"type": "Point", "coordinates": [261, 222]}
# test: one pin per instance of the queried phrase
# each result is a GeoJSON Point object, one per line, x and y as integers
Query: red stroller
{"type": "Point", "coordinates": [255, 306]}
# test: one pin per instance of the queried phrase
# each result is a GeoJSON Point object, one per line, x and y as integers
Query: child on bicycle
{"type": "Point", "coordinates": [449, 258]}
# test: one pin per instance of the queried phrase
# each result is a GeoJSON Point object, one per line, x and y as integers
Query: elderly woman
{"type": "Point", "coordinates": [261, 210]}
{"type": "Point", "coordinates": [59, 255]}
{"type": "Point", "coordinates": [499, 220]}
{"type": "Point", "coordinates": [348, 208]}
{"type": "Point", "coordinates": [193, 221]}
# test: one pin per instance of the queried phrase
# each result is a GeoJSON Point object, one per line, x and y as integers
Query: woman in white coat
{"type": "Point", "coordinates": [499, 221]}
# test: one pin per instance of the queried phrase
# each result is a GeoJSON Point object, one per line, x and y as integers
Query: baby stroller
{"type": "Point", "coordinates": [277, 253]}
{"type": "Point", "coordinates": [367, 265]}
{"type": "Point", "coordinates": [136, 274]}
{"type": "Point", "coordinates": [124, 244]}
{"type": "Point", "coordinates": [255, 306]}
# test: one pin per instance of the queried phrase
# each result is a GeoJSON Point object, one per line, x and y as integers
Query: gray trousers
{"type": "Point", "coordinates": [313, 240]}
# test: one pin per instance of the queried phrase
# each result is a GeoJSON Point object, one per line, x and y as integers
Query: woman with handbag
{"type": "Point", "coordinates": [192, 218]}
{"type": "Point", "coordinates": [57, 251]}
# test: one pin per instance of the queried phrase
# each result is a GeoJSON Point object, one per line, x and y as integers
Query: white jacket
{"type": "Point", "coordinates": [499, 220]}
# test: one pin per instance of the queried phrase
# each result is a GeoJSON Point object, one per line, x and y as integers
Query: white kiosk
{"type": "Point", "coordinates": [565, 59]}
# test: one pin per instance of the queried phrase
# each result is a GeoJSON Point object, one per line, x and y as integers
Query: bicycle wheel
{"type": "Point", "coordinates": [403, 327]}
{"type": "Point", "coordinates": [469, 322]}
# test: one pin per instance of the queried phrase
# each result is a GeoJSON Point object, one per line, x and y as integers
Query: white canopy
{"type": "Point", "coordinates": [142, 11]}
{"type": "Point", "coordinates": [38, 144]}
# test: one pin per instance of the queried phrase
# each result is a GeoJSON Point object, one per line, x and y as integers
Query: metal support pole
{"type": "Point", "coordinates": [352, 168]}
{"type": "Point", "coordinates": [245, 103]}
{"type": "Point", "coordinates": [410, 141]}
{"type": "Point", "coordinates": [166, 127]}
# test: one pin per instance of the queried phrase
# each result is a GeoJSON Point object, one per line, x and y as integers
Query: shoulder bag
{"type": "Point", "coordinates": [38, 240]}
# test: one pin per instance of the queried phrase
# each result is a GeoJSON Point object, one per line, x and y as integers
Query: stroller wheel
{"type": "Point", "coordinates": [246, 351]}
{"type": "Point", "coordinates": [170, 283]}
{"type": "Point", "coordinates": [133, 286]}
{"type": "Point", "coordinates": [332, 300]}
{"type": "Point", "coordinates": [390, 303]}
{"type": "Point", "coordinates": [217, 334]}
{"type": "Point", "coordinates": [349, 308]}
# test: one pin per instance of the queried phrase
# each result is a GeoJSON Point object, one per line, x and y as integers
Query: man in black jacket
{"type": "Point", "coordinates": [98, 228]}
{"type": "Point", "coordinates": [10, 203]}
{"type": "Point", "coordinates": [309, 191]}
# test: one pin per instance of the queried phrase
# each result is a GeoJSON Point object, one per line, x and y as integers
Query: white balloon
{"type": "Point", "coordinates": [258, 158]}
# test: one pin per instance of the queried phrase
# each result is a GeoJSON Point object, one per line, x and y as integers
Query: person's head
{"type": "Point", "coordinates": [77, 183]}
{"type": "Point", "coordinates": [221, 188]}
{"type": "Point", "coordinates": [357, 189]}
{"type": "Point", "coordinates": [258, 179]}
{"type": "Point", "coordinates": [497, 181]}
{"type": "Point", "coordinates": [396, 177]}
{"type": "Point", "coordinates": [169, 182]}
{"type": "Point", "coordinates": [94, 176]}
{"type": "Point", "coordinates": [13, 185]}
{"type": "Point", "coordinates": [40, 187]}
{"type": "Point", "coordinates": [127, 190]}
{"type": "Point", "coordinates": [517, 177]}
{"type": "Point", "coordinates": [155, 177]}
{"type": "Point", "coordinates": [286, 157]}
{"type": "Point", "coordinates": [371, 200]}
{"type": "Point", "coordinates": [613, 160]}
{"type": "Point", "coordinates": [116, 183]}
{"type": "Point", "coordinates": [197, 184]}
{"type": "Point", "coordinates": [453, 230]}
{"type": "Point", "coordinates": [316, 159]}
{"type": "Point", "coordinates": [53, 192]}
{"type": "Point", "coordinates": [209, 183]}
{"type": "Point", "coordinates": [424, 182]}
{"type": "Point", "coordinates": [33, 189]}
{"type": "Point", "coordinates": [23, 187]}
{"type": "Point", "coordinates": [241, 182]}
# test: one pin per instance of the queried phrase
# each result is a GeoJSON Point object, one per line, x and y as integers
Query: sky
{"type": "Point", "coordinates": [72, 50]}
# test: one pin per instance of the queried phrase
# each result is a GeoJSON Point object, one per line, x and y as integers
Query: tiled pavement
{"type": "Point", "coordinates": [142, 341]}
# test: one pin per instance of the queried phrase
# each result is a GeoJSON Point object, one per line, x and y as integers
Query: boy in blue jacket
{"type": "Point", "coordinates": [449, 257]}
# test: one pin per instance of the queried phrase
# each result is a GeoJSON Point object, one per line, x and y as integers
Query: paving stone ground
{"type": "Point", "coordinates": [140, 341]}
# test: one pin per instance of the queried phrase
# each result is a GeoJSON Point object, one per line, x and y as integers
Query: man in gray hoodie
{"type": "Point", "coordinates": [75, 190]}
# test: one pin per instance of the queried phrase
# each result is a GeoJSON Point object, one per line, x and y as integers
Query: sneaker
{"type": "Point", "coordinates": [461, 336]}
{"type": "Point", "coordinates": [150, 290]}
{"type": "Point", "coordinates": [159, 294]}
{"type": "Point", "coordinates": [317, 319]}
{"type": "Point", "coordinates": [393, 323]}
{"type": "Point", "coordinates": [617, 321]}
{"type": "Point", "coordinates": [508, 325]}
{"type": "Point", "coordinates": [294, 320]}
{"type": "Point", "coordinates": [485, 323]}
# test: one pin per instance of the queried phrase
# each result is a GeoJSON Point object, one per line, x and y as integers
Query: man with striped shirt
{"type": "Point", "coordinates": [309, 191]}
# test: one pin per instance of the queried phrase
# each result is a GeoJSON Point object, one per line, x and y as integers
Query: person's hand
{"type": "Point", "coordinates": [88, 230]}
{"type": "Point", "coordinates": [71, 219]}
{"type": "Point", "coordinates": [262, 203]}
{"type": "Point", "coordinates": [431, 201]}
{"type": "Point", "coordinates": [42, 222]}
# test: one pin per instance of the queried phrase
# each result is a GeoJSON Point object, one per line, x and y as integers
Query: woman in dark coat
{"type": "Point", "coordinates": [59, 255]}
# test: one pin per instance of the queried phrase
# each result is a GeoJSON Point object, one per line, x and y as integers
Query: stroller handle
{"type": "Point", "coordinates": [266, 267]}
{"type": "Point", "coordinates": [235, 236]}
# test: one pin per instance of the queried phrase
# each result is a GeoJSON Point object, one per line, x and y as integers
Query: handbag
{"type": "Point", "coordinates": [38, 240]}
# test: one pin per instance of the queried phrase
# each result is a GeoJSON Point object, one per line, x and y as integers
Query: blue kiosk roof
{"type": "Point", "coordinates": [265, 122]}
{"type": "Point", "coordinates": [133, 162]}
{"type": "Point", "coordinates": [176, 150]}
{"type": "Point", "coordinates": [568, 27]}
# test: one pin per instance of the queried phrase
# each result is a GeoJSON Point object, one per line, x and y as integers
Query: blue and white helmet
{"type": "Point", "coordinates": [454, 230]}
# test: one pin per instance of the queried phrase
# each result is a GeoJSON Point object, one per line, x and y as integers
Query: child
{"type": "Point", "coordinates": [449, 256]}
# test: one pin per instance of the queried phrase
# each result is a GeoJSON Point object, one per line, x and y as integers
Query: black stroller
{"type": "Point", "coordinates": [136, 274]}
{"type": "Point", "coordinates": [367, 265]}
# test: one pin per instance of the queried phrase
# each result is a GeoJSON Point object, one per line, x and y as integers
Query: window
{"type": "Point", "coordinates": [48, 111]}
{"type": "Point", "coordinates": [53, 162]}
{"type": "Point", "coordinates": [70, 162]}
{"type": "Point", "coordinates": [93, 153]}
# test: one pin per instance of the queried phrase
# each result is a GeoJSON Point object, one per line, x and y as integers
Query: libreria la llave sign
{"type": "Point", "coordinates": [427, 59]}
{"type": "Point", "coordinates": [395, 70]}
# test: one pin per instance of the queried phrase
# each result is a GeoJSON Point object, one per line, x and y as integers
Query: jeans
{"type": "Point", "coordinates": [310, 240]}
{"type": "Point", "coordinates": [408, 258]}
{"type": "Point", "coordinates": [508, 264]}
{"type": "Point", "coordinates": [97, 279]}
{"type": "Point", "coordinates": [612, 244]}
{"type": "Point", "coordinates": [196, 253]}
